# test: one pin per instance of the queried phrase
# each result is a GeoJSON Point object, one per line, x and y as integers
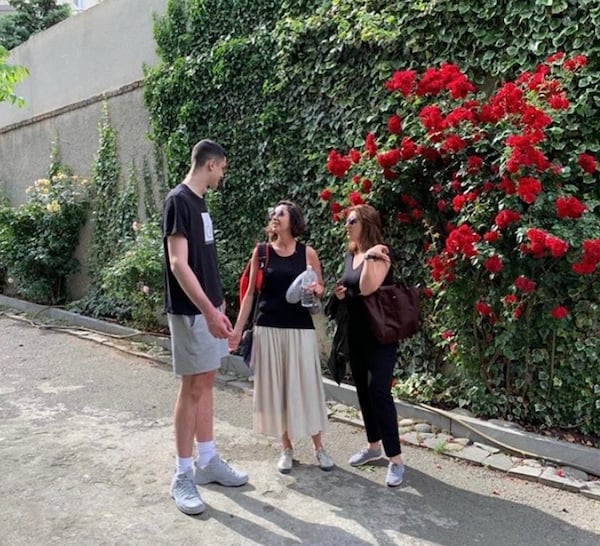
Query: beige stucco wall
{"type": "Point", "coordinates": [74, 66]}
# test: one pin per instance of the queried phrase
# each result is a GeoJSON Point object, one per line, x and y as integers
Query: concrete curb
{"type": "Point", "coordinates": [464, 429]}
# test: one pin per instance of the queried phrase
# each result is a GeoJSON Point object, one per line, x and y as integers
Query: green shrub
{"type": "Point", "coordinates": [134, 278]}
{"type": "Point", "coordinates": [38, 239]}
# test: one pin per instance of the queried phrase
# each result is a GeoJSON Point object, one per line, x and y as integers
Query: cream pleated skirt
{"type": "Point", "coordinates": [288, 387]}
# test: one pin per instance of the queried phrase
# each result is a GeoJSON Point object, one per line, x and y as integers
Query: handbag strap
{"type": "Point", "coordinates": [263, 261]}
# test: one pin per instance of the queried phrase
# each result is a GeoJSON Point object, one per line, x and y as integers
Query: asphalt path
{"type": "Point", "coordinates": [86, 456]}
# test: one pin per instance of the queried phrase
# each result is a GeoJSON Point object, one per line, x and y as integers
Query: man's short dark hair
{"type": "Point", "coordinates": [205, 150]}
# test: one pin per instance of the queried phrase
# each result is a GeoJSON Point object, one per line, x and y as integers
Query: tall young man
{"type": "Point", "coordinates": [199, 328]}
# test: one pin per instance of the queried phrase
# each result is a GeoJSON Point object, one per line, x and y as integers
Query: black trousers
{"type": "Point", "coordinates": [372, 366]}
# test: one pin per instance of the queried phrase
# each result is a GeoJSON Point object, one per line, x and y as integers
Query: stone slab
{"type": "Point", "coordinates": [554, 477]}
{"type": "Point", "coordinates": [499, 461]}
{"type": "Point", "coordinates": [526, 472]}
{"type": "Point", "coordinates": [471, 453]}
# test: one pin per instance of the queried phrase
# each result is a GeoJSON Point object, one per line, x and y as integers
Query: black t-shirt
{"type": "Point", "coordinates": [273, 308]}
{"type": "Point", "coordinates": [185, 213]}
{"type": "Point", "coordinates": [359, 323]}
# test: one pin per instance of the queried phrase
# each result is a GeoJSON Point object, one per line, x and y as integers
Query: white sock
{"type": "Point", "coordinates": [183, 464]}
{"type": "Point", "coordinates": [205, 451]}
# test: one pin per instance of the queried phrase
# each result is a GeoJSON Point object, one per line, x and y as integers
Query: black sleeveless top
{"type": "Point", "coordinates": [359, 323]}
{"type": "Point", "coordinates": [273, 309]}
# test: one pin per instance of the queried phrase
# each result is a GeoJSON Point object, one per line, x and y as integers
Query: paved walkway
{"type": "Point", "coordinates": [86, 458]}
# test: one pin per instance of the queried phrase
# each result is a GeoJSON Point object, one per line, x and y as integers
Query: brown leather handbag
{"type": "Point", "coordinates": [394, 312]}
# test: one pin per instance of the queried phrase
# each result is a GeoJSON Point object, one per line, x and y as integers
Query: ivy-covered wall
{"type": "Point", "coordinates": [282, 83]}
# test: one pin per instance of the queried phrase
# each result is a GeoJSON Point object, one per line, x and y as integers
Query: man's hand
{"type": "Point", "coordinates": [219, 325]}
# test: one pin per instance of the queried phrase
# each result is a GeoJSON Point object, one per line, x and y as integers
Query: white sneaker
{"type": "Point", "coordinates": [286, 461]}
{"type": "Point", "coordinates": [185, 494]}
{"type": "Point", "coordinates": [219, 471]}
{"type": "Point", "coordinates": [324, 459]}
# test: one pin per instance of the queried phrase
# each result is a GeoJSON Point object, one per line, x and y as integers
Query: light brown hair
{"type": "Point", "coordinates": [371, 233]}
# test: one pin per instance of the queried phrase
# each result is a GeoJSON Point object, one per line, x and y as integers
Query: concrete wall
{"type": "Point", "coordinates": [73, 67]}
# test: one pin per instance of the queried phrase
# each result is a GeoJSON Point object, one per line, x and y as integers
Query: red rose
{"type": "Point", "coordinates": [403, 218]}
{"type": "Point", "coordinates": [335, 207]}
{"type": "Point", "coordinates": [325, 194]}
{"type": "Point", "coordinates": [427, 292]}
{"type": "Point", "coordinates": [555, 57]}
{"type": "Point", "coordinates": [354, 155]}
{"type": "Point", "coordinates": [556, 246]}
{"type": "Point", "coordinates": [453, 143]}
{"type": "Point", "coordinates": [458, 202]}
{"type": "Point", "coordinates": [569, 207]}
{"type": "Point", "coordinates": [337, 164]}
{"type": "Point", "coordinates": [474, 164]}
{"type": "Point", "coordinates": [402, 81]}
{"type": "Point", "coordinates": [408, 200]}
{"type": "Point", "coordinates": [524, 284]}
{"type": "Point", "coordinates": [408, 149]}
{"type": "Point", "coordinates": [366, 185]}
{"type": "Point", "coordinates": [389, 159]}
{"type": "Point", "coordinates": [483, 308]}
{"type": "Point", "coordinates": [587, 162]}
{"type": "Point", "coordinates": [394, 124]}
{"type": "Point", "coordinates": [518, 311]}
{"type": "Point", "coordinates": [558, 102]}
{"type": "Point", "coordinates": [579, 61]}
{"type": "Point", "coordinates": [559, 312]}
{"type": "Point", "coordinates": [370, 145]}
{"type": "Point", "coordinates": [506, 217]}
{"type": "Point", "coordinates": [491, 236]}
{"type": "Point", "coordinates": [355, 198]}
{"type": "Point", "coordinates": [528, 189]}
{"type": "Point", "coordinates": [509, 299]}
{"type": "Point", "coordinates": [493, 264]}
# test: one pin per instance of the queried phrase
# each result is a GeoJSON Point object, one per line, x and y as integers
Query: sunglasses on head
{"type": "Point", "coordinates": [273, 213]}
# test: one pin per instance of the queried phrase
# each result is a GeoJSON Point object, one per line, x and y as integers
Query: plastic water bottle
{"type": "Point", "coordinates": [308, 298]}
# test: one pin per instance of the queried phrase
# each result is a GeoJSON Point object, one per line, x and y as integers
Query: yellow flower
{"type": "Point", "coordinates": [42, 183]}
{"type": "Point", "coordinates": [53, 206]}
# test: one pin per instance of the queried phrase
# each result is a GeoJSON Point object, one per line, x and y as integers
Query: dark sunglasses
{"type": "Point", "coordinates": [351, 221]}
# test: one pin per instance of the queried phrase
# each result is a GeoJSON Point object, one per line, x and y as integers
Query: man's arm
{"type": "Point", "coordinates": [217, 322]}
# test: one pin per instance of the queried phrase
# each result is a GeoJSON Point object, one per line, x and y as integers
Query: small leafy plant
{"type": "Point", "coordinates": [135, 276]}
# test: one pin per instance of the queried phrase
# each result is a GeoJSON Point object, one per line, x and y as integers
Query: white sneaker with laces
{"type": "Point", "coordinates": [185, 494]}
{"type": "Point", "coordinates": [286, 461]}
{"type": "Point", "coordinates": [219, 471]}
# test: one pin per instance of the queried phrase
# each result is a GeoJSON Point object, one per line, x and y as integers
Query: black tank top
{"type": "Point", "coordinates": [273, 309]}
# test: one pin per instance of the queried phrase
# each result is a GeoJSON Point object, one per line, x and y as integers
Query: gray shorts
{"type": "Point", "coordinates": [193, 348]}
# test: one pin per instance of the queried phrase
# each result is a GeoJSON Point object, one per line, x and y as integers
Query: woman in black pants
{"type": "Point", "coordinates": [367, 266]}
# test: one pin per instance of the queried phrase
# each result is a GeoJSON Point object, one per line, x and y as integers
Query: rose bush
{"type": "Point", "coordinates": [503, 194]}
{"type": "Point", "coordinates": [38, 239]}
